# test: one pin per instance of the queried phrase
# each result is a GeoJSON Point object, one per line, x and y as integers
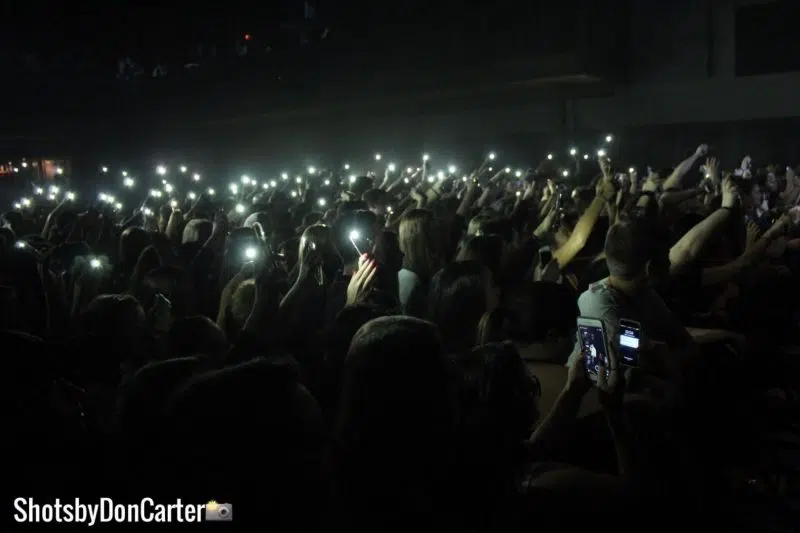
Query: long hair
{"type": "Point", "coordinates": [421, 244]}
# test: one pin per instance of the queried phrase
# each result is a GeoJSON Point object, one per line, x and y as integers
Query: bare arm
{"type": "Point", "coordinates": [675, 179]}
{"type": "Point", "coordinates": [690, 245]}
{"type": "Point", "coordinates": [577, 240]}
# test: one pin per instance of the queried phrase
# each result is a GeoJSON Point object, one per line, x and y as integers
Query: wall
{"type": "Point", "coordinates": [683, 71]}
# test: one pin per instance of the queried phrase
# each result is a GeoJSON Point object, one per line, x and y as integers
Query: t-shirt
{"type": "Point", "coordinates": [658, 322]}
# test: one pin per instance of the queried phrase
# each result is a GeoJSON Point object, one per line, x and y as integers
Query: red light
{"type": "Point", "coordinates": [247, 37]}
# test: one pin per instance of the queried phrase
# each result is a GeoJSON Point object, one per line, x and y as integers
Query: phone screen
{"type": "Point", "coordinates": [629, 336]}
{"type": "Point", "coordinates": [545, 256]}
{"type": "Point", "coordinates": [593, 344]}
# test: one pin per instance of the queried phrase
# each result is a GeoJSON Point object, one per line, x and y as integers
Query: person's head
{"type": "Point", "coordinates": [421, 243]}
{"type": "Point", "coordinates": [540, 313]}
{"type": "Point", "coordinates": [148, 260]}
{"type": "Point", "coordinates": [354, 234]}
{"type": "Point", "coordinates": [131, 243]}
{"type": "Point", "coordinates": [632, 252]}
{"type": "Point", "coordinates": [197, 230]}
{"type": "Point", "coordinates": [193, 335]}
{"type": "Point", "coordinates": [497, 399]}
{"type": "Point", "coordinates": [117, 320]}
{"type": "Point", "coordinates": [377, 200]}
{"type": "Point", "coordinates": [751, 193]}
{"type": "Point", "coordinates": [459, 295]}
{"type": "Point", "coordinates": [486, 249]}
{"type": "Point", "coordinates": [771, 183]}
{"type": "Point", "coordinates": [397, 394]}
{"type": "Point", "coordinates": [175, 284]}
{"type": "Point", "coordinates": [319, 237]}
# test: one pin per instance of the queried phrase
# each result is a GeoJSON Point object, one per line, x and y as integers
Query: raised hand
{"type": "Point", "coordinates": [730, 192]}
{"type": "Point", "coordinates": [362, 280]}
{"type": "Point", "coordinates": [702, 150]}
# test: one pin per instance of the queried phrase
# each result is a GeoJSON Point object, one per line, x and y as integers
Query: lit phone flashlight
{"type": "Point", "coordinates": [21, 244]}
{"type": "Point", "coordinates": [95, 264]}
{"type": "Point", "coordinates": [355, 235]}
{"type": "Point", "coordinates": [250, 254]}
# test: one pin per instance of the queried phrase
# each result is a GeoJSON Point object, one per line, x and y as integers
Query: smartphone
{"type": "Point", "coordinates": [592, 338]}
{"type": "Point", "coordinates": [630, 333]}
{"type": "Point", "coordinates": [545, 256]}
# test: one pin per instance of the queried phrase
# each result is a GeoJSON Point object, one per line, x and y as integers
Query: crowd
{"type": "Point", "coordinates": [396, 349]}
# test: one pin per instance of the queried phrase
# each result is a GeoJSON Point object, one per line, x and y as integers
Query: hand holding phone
{"type": "Point", "coordinates": [594, 347]}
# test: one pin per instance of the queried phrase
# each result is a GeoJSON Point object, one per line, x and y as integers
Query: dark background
{"type": "Point", "coordinates": [323, 99]}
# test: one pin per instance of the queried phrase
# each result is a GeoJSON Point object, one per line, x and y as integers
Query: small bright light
{"type": "Point", "coordinates": [118, 207]}
{"type": "Point", "coordinates": [95, 263]}
{"type": "Point", "coordinates": [565, 173]}
{"type": "Point", "coordinates": [239, 208]}
{"type": "Point", "coordinates": [173, 204]}
{"type": "Point", "coordinates": [346, 166]}
{"type": "Point", "coordinates": [39, 190]}
{"type": "Point", "coordinates": [211, 192]}
{"type": "Point", "coordinates": [20, 244]}
{"type": "Point", "coordinates": [59, 170]}
{"type": "Point", "coordinates": [322, 202]}
{"type": "Point", "coordinates": [104, 169]}
{"type": "Point", "coordinates": [265, 185]}
{"type": "Point", "coordinates": [518, 173]}
{"type": "Point", "coordinates": [284, 176]}
{"type": "Point", "coordinates": [452, 169]}
{"type": "Point", "coordinates": [464, 179]}
{"type": "Point", "coordinates": [507, 170]}
{"type": "Point", "coordinates": [312, 170]}
{"type": "Point", "coordinates": [192, 196]}
{"type": "Point", "coordinates": [245, 180]}
{"type": "Point", "coordinates": [550, 157]}
{"type": "Point", "coordinates": [183, 169]}
{"type": "Point", "coordinates": [196, 177]}
{"type": "Point", "coordinates": [17, 206]}
{"type": "Point", "coordinates": [352, 179]}
{"type": "Point", "coordinates": [155, 193]}
{"type": "Point", "coordinates": [327, 182]}
{"type": "Point", "coordinates": [17, 170]}
{"type": "Point", "coordinates": [124, 173]}
{"type": "Point", "coordinates": [392, 167]}
{"type": "Point", "coordinates": [54, 189]}
{"type": "Point", "coordinates": [425, 157]}
{"type": "Point", "coordinates": [26, 202]}
{"type": "Point", "coordinates": [519, 193]}
{"type": "Point", "coordinates": [234, 188]}
{"type": "Point", "coordinates": [110, 199]}
{"type": "Point", "coordinates": [51, 197]}
{"type": "Point", "coordinates": [168, 188]}
{"type": "Point", "coordinates": [609, 138]}
{"type": "Point", "coordinates": [273, 183]}
{"type": "Point", "coordinates": [410, 170]}
{"type": "Point", "coordinates": [298, 180]}
{"type": "Point", "coordinates": [378, 157]}
{"type": "Point", "coordinates": [294, 194]}
{"type": "Point", "coordinates": [406, 180]}
{"type": "Point", "coordinates": [250, 253]}
{"type": "Point", "coordinates": [573, 151]}
{"type": "Point", "coordinates": [148, 212]}
{"type": "Point", "coordinates": [355, 235]}
{"type": "Point", "coordinates": [161, 170]}
{"type": "Point", "coordinates": [102, 197]}
{"type": "Point", "coordinates": [128, 182]}
{"type": "Point", "coordinates": [631, 170]}
{"type": "Point", "coordinates": [601, 153]}
{"type": "Point", "coordinates": [24, 164]}
{"type": "Point", "coordinates": [440, 174]}
{"type": "Point", "coordinates": [70, 196]}
{"type": "Point", "coordinates": [430, 179]}
{"type": "Point", "coordinates": [492, 156]}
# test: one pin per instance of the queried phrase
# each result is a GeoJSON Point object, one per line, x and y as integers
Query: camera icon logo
{"type": "Point", "coordinates": [218, 512]}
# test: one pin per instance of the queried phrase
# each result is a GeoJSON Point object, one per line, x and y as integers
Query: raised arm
{"type": "Point", "coordinates": [690, 245]}
{"type": "Point", "coordinates": [674, 180]}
